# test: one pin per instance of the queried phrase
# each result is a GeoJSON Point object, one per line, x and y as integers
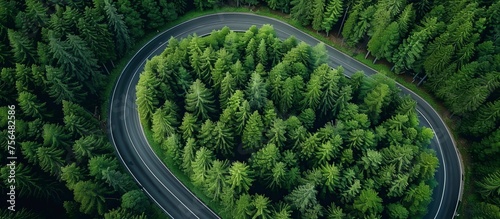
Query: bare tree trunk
{"type": "Point", "coordinates": [375, 60]}
{"type": "Point", "coordinates": [104, 65]}
{"type": "Point", "coordinates": [394, 66]}
{"type": "Point", "coordinates": [367, 54]}
{"type": "Point", "coordinates": [414, 77]}
{"type": "Point", "coordinates": [343, 19]}
{"type": "Point", "coordinates": [419, 83]}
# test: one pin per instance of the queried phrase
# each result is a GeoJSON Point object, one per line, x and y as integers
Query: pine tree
{"type": "Point", "coordinates": [224, 139]}
{"type": "Point", "coordinates": [303, 197]}
{"type": "Point", "coordinates": [91, 197]}
{"type": "Point", "coordinates": [215, 180]}
{"type": "Point", "coordinates": [368, 202]}
{"type": "Point", "coordinates": [317, 12]}
{"type": "Point", "coordinates": [151, 10]}
{"type": "Point", "coordinates": [63, 87]}
{"type": "Point", "coordinates": [256, 92]}
{"type": "Point", "coordinates": [31, 106]}
{"type": "Point", "coordinates": [374, 101]}
{"type": "Point", "coordinates": [23, 49]}
{"type": "Point", "coordinates": [262, 207]}
{"type": "Point", "coordinates": [239, 74]}
{"type": "Point", "coordinates": [252, 134]}
{"type": "Point", "coordinates": [146, 96]}
{"type": "Point", "coordinates": [328, 150]}
{"type": "Point", "coordinates": [241, 116]}
{"type": "Point", "coordinates": [490, 185]}
{"type": "Point", "coordinates": [189, 126]}
{"type": "Point", "coordinates": [332, 14]}
{"type": "Point", "coordinates": [276, 133]}
{"type": "Point", "coordinates": [262, 53]}
{"type": "Point", "coordinates": [276, 178]}
{"type": "Point", "coordinates": [98, 164]}
{"type": "Point", "coordinates": [200, 166]}
{"type": "Point", "coordinates": [240, 177]}
{"type": "Point", "coordinates": [188, 156]}
{"type": "Point", "coordinates": [89, 146]}
{"type": "Point", "coordinates": [164, 121]}
{"type": "Point", "coordinates": [228, 86]}
{"type": "Point", "coordinates": [73, 55]}
{"type": "Point", "coordinates": [96, 35]}
{"type": "Point", "coordinates": [199, 100]}
{"type": "Point", "coordinates": [29, 150]}
{"type": "Point", "coordinates": [417, 198]}
{"type": "Point", "coordinates": [72, 174]}
{"type": "Point", "coordinates": [264, 159]}
{"type": "Point", "coordinates": [243, 206]}
{"type": "Point", "coordinates": [117, 180]}
{"type": "Point", "coordinates": [397, 211]}
{"type": "Point", "coordinates": [312, 95]}
{"type": "Point", "coordinates": [55, 136]}
{"type": "Point", "coordinates": [136, 201]}
{"type": "Point", "coordinates": [331, 175]}
{"type": "Point", "coordinates": [482, 121]}
{"type": "Point", "coordinates": [50, 159]}
{"type": "Point", "coordinates": [118, 27]}
{"type": "Point", "coordinates": [132, 18]}
{"type": "Point", "coordinates": [78, 120]}
{"type": "Point", "coordinates": [301, 11]}
{"type": "Point", "coordinates": [361, 26]}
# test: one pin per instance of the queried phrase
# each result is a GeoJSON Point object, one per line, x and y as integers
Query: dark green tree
{"type": "Point", "coordinates": [91, 197]}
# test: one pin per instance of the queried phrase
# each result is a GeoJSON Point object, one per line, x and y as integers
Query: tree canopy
{"type": "Point", "coordinates": [307, 131]}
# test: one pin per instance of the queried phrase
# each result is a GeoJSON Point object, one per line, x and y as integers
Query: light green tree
{"type": "Point", "coordinates": [199, 100]}
{"type": "Point", "coordinates": [240, 177]}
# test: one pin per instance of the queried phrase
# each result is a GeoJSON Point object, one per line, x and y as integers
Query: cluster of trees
{"type": "Point", "coordinates": [54, 58]}
{"type": "Point", "coordinates": [454, 46]}
{"type": "Point", "coordinates": [268, 130]}
{"type": "Point", "coordinates": [451, 45]}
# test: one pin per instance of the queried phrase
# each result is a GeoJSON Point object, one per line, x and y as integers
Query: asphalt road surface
{"type": "Point", "coordinates": [126, 133]}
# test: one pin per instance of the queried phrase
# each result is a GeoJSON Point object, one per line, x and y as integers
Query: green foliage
{"type": "Point", "coordinates": [91, 197]}
{"type": "Point", "coordinates": [302, 197]}
{"type": "Point", "coordinates": [199, 100]}
{"type": "Point", "coordinates": [292, 125]}
{"type": "Point", "coordinates": [240, 177]}
{"type": "Point", "coordinates": [252, 134]}
{"type": "Point", "coordinates": [136, 201]}
{"type": "Point", "coordinates": [331, 15]}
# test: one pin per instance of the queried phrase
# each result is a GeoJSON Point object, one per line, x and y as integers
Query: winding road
{"type": "Point", "coordinates": [156, 180]}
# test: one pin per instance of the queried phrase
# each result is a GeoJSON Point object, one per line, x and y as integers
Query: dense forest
{"type": "Point", "coordinates": [55, 57]}
{"type": "Point", "coordinates": [266, 128]}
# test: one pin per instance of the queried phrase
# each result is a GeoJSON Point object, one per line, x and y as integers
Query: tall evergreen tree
{"type": "Point", "coordinates": [331, 15]}
{"type": "Point", "coordinates": [91, 197]}
{"type": "Point", "coordinates": [240, 177]}
{"type": "Point", "coordinates": [118, 27]}
{"type": "Point", "coordinates": [31, 106]}
{"type": "Point", "coordinates": [79, 120]}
